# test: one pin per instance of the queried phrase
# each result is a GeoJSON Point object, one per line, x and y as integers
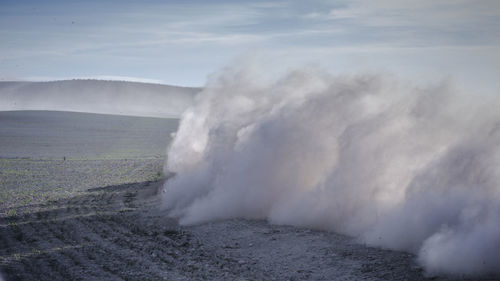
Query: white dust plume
{"type": "Point", "coordinates": [401, 166]}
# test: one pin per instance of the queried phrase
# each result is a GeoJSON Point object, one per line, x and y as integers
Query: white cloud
{"type": "Point", "coordinates": [159, 33]}
{"type": "Point", "coordinates": [440, 13]}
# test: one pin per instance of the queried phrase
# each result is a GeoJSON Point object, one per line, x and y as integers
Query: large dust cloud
{"type": "Point", "coordinates": [394, 164]}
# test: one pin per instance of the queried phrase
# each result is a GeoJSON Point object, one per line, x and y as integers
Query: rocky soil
{"type": "Point", "coordinates": [119, 233]}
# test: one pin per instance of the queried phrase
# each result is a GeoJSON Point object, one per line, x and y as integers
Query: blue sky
{"type": "Point", "coordinates": [182, 42]}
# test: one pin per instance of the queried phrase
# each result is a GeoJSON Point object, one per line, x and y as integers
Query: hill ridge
{"type": "Point", "coordinates": [97, 96]}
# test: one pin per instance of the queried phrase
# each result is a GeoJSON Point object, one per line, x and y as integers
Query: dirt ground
{"type": "Point", "coordinates": [119, 233]}
{"type": "Point", "coordinates": [100, 219]}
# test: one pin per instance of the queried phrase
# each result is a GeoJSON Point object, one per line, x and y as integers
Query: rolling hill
{"type": "Point", "coordinates": [97, 96]}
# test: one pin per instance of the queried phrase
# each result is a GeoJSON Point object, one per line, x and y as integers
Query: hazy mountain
{"type": "Point", "coordinates": [97, 96]}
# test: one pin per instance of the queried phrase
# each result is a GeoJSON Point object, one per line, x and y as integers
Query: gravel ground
{"type": "Point", "coordinates": [26, 182]}
{"type": "Point", "coordinates": [119, 233]}
{"type": "Point", "coordinates": [48, 155]}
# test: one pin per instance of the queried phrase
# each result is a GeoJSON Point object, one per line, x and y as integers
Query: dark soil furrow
{"type": "Point", "coordinates": [115, 246]}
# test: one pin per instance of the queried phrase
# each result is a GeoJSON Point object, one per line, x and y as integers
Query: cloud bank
{"type": "Point", "coordinates": [395, 165]}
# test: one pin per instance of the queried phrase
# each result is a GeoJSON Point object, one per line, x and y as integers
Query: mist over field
{"type": "Point", "coordinates": [396, 164]}
{"type": "Point", "coordinates": [97, 96]}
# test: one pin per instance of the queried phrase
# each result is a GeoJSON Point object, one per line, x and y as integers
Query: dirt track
{"type": "Point", "coordinates": [96, 236]}
{"type": "Point", "coordinates": [118, 233]}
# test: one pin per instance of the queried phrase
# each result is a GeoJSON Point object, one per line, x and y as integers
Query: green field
{"type": "Point", "coordinates": [47, 155]}
{"type": "Point", "coordinates": [55, 135]}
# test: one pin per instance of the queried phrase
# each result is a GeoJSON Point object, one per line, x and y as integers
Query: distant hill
{"type": "Point", "coordinates": [97, 96]}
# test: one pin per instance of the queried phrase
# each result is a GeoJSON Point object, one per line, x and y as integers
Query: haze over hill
{"type": "Point", "coordinates": [97, 96]}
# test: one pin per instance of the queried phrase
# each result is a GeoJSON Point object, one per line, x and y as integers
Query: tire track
{"type": "Point", "coordinates": [110, 233]}
{"type": "Point", "coordinates": [70, 240]}
{"type": "Point", "coordinates": [52, 244]}
{"type": "Point", "coordinates": [106, 240]}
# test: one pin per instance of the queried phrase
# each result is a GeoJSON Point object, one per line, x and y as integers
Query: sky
{"type": "Point", "coordinates": [184, 42]}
